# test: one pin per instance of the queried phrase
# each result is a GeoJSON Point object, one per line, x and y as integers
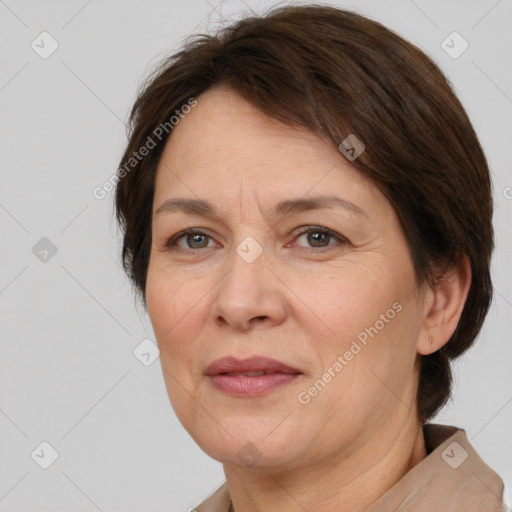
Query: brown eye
{"type": "Point", "coordinates": [194, 239]}
{"type": "Point", "coordinates": [319, 237]}
{"type": "Point", "coordinates": [198, 239]}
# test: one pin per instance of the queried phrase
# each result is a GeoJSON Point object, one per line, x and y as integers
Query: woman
{"type": "Point", "coordinates": [307, 216]}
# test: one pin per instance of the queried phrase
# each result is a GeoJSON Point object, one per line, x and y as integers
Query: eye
{"type": "Point", "coordinates": [318, 237]}
{"type": "Point", "coordinates": [197, 239]}
{"type": "Point", "coordinates": [193, 239]}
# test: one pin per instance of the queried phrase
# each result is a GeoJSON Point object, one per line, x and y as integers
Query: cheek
{"type": "Point", "coordinates": [174, 309]}
{"type": "Point", "coordinates": [349, 301]}
{"type": "Point", "coordinates": [370, 319]}
{"type": "Point", "coordinates": [160, 303]}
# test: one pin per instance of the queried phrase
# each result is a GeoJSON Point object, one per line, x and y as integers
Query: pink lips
{"type": "Point", "coordinates": [254, 376]}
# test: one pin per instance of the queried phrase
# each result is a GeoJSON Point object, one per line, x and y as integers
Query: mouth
{"type": "Point", "coordinates": [254, 376]}
{"type": "Point", "coordinates": [247, 374]}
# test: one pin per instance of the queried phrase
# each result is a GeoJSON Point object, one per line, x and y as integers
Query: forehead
{"type": "Point", "coordinates": [225, 125]}
{"type": "Point", "coordinates": [226, 147]}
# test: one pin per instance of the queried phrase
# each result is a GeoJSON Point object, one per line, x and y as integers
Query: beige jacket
{"type": "Point", "coordinates": [452, 478]}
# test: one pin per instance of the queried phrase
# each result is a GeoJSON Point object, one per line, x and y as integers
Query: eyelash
{"type": "Point", "coordinates": [171, 243]}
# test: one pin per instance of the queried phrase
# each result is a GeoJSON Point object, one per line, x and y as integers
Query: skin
{"type": "Point", "coordinates": [297, 303]}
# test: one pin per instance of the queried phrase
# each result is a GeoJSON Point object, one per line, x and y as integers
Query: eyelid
{"type": "Point", "coordinates": [171, 242]}
{"type": "Point", "coordinates": [321, 229]}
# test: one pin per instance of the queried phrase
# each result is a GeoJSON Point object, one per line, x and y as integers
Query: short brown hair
{"type": "Point", "coordinates": [335, 73]}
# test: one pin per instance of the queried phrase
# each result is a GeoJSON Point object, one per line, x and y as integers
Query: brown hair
{"type": "Point", "coordinates": [336, 73]}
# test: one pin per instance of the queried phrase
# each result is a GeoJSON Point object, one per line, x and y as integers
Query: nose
{"type": "Point", "coordinates": [249, 294]}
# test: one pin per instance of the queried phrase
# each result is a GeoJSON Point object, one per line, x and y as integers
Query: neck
{"type": "Point", "coordinates": [347, 484]}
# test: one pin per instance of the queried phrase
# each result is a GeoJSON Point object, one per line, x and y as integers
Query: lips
{"type": "Point", "coordinates": [250, 377]}
{"type": "Point", "coordinates": [252, 367]}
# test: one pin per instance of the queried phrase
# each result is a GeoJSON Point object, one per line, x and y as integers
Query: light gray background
{"type": "Point", "coordinates": [69, 325]}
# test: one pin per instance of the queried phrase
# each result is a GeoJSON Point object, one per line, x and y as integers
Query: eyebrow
{"type": "Point", "coordinates": [206, 209]}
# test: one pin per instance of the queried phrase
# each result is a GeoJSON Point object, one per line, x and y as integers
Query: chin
{"type": "Point", "coordinates": [249, 444]}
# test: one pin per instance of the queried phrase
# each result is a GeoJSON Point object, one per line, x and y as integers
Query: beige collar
{"type": "Point", "coordinates": [452, 478]}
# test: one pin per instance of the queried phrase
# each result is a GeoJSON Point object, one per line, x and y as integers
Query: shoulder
{"type": "Point", "coordinates": [452, 477]}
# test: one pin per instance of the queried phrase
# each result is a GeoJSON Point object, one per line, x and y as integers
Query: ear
{"type": "Point", "coordinates": [443, 305]}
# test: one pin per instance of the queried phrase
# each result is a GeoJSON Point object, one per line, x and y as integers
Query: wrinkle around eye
{"type": "Point", "coordinates": [336, 240]}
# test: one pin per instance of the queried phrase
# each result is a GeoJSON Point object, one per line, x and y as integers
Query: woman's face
{"type": "Point", "coordinates": [340, 310]}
